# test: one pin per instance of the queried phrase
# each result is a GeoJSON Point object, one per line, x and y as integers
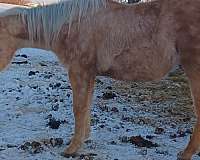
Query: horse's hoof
{"type": "Point", "coordinates": [180, 156]}
{"type": "Point", "coordinates": [69, 155]}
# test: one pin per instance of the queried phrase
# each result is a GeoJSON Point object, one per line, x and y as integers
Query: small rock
{"type": "Point", "coordinates": [181, 133]}
{"type": "Point", "coordinates": [85, 157]}
{"type": "Point", "coordinates": [48, 76]}
{"type": "Point", "coordinates": [186, 119]}
{"type": "Point", "coordinates": [31, 73]}
{"type": "Point", "coordinates": [150, 137]}
{"type": "Point", "coordinates": [49, 116]}
{"type": "Point", "coordinates": [102, 126]}
{"type": "Point", "coordinates": [189, 131]}
{"type": "Point", "coordinates": [108, 95]}
{"type": "Point", "coordinates": [69, 87]}
{"type": "Point", "coordinates": [114, 109]}
{"type": "Point", "coordinates": [58, 85]}
{"type": "Point", "coordinates": [104, 108]}
{"type": "Point", "coordinates": [124, 109]}
{"type": "Point", "coordinates": [109, 87]}
{"type": "Point", "coordinates": [173, 136]}
{"type": "Point", "coordinates": [124, 139]}
{"type": "Point", "coordinates": [98, 81]}
{"type": "Point", "coordinates": [159, 130]}
{"type": "Point", "coordinates": [45, 141]}
{"type": "Point", "coordinates": [54, 86]}
{"type": "Point", "coordinates": [55, 107]}
{"type": "Point", "coordinates": [56, 141]}
{"type": "Point", "coordinates": [113, 143]}
{"type": "Point", "coordinates": [162, 152]}
{"type": "Point", "coordinates": [18, 98]}
{"type": "Point", "coordinates": [128, 130]}
{"type": "Point", "coordinates": [42, 64]}
{"type": "Point", "coordinates": [63, 121]}
{"type": "Point", "coordinates": [11, 146]}
{"type": "Point", "coordinates": [88, 141]}
{"type": "Point", "coordinates": [20, 62]}
{"type": "Point", "coordinates": [89, 156]}
{"type": "Point", "coordinates": [35, 144]}
{"type": "Point", "coordinates": [38, 150]}
{"type": "Point", "coordinates": [24, 56]}
{"type": "Point", "coordinates": [25, 146]}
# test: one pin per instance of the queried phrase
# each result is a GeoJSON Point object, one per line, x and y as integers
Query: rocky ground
{"type": "Point", "coordinates": [130, 121]}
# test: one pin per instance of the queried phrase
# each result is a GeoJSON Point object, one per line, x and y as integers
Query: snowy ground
{"type": "Point", "coordinates": [35, 90]}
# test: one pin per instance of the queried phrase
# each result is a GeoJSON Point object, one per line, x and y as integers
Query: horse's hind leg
{"type": "Point", "coordinates": [192, 69]}
{"type": "Point", "coordinates": [82, 82]}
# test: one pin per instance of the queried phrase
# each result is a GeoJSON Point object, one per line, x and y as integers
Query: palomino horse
{"type": "Point", "coordinates": [140, 42]}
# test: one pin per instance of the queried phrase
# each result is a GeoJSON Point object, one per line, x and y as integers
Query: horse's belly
{"type": "Point", "coordinates": [140, 67]}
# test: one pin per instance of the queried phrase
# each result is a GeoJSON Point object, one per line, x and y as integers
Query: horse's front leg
{"type": "Point", "coordinates": [82, 82]}
{"type": "Point", "coordinates": [194, 144]}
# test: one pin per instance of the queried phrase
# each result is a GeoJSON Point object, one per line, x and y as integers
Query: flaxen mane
{"type": "Point", "coordinates": [17, 2]}
{"type": "Point", "coordinates": [44, 19]}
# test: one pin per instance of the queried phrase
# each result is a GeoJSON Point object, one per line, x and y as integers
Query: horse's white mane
{"type": "Point", "coordinates": [47, 20]}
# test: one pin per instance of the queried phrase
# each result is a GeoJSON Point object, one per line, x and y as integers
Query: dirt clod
{"type": "Point", "coordinates": [53, 123]}
{"type": "Point", "coordinates": [159, 130]}
{"type": "Point", "coordinates": [139, 141]}
{"type": "Point", "coordinates": [108, 95]}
